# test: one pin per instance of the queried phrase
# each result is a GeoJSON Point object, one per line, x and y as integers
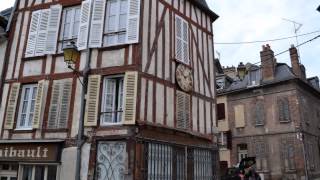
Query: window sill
{"type": "Point", "coordinates": [290, 171]}
{"type": "Point", "coordinates": [23, 130]}
{"type": "Point", "coordinates": [55, 130]}
{"type": "Point", "coordinates": [284, 122]}
{"type": "Point", "coordinates": [181, 62]}
{"type": "Point", "coordinates": [114, 47]}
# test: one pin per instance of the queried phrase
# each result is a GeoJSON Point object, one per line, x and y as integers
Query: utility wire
{"type": "Point", "coordinates": [262, 41]}
{"type": "Point", "coordinates": [308, 41]}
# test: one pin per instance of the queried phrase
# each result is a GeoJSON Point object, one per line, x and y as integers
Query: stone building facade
{"type": "Point", "coordinates": [273, 114]}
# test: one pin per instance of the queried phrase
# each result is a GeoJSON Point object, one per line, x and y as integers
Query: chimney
{"type": "Point", "coordinates": [297, 68]}
{"type": "Point", "coordinates": [268, 63]}
{"type": "Point", "coordinates": [241, 69]}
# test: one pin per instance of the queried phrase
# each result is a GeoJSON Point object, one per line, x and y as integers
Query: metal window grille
{"type": "Point", "coordinates": [164, 161]}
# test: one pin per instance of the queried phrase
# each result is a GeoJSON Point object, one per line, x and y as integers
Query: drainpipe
{"type": "Point", "coordinates": [85, 75]}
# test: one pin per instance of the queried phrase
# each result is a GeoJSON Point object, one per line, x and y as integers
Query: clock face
{"type": "Point", "coordinates": [184, 77]}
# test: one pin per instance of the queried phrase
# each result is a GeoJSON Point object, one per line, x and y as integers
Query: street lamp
{"type": "Point", "coordinates": [71, 57]}
{"type": "Point", "coordinates": [318, 9]}
{"type": "Point", "coordinates": [71, 54]}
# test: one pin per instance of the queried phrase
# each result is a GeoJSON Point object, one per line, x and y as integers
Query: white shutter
{"type": "Point", "coordinates": [33, 31]}
{"type": "Point", "coordinates": [96, 31]}
{"type": "Point", "coordinates": [92, 104]}
{"type": "Point", "coordinates": [42, 32]}
{"type": "Point", "coordinates": [64, 104]}
{"type": "Point", "coordinates": [182, 40]}
{"type": "Point", "coordinates": [84, 24]}
{"type": "Point", "coordinates": [54, 105]}
{"type": "Point", "coordinates": [179, 43]}
{"type": "Point", "coordinates": [39, 104]}
{"type": "Point", "coordinates": [133, 21]}
{"type": "Point", "coordinates": [130, 97]}
{"type": "Point", "coordinates": [53, 28]}
{"type": "Point", "coordinates": [12, 106]}
{"type": "Point", "coordinates": [185, 38]}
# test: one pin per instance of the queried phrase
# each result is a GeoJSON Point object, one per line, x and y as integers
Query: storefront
{"type": "Point", "coordinates": [33, 160]}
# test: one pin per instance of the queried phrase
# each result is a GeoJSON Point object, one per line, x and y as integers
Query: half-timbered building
{"type": "Point", "coordinates": [150, 101]}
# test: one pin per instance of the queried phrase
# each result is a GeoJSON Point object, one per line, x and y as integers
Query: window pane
{"type": "Point", "coordinates": [52, 172]}
{"type": "Point", "coordinates": [123, 22]}
{"type": "Point", "coordinates": [39, 173]}
{"type": "Point", "coordinates": [66, 31]}
{"type": "Point", "coordinates": [111, 39]}
{"type": "Point", "coordinates": [27, 173]}
{"type": "Point", "coordinates": [26, 94]}
{"type": "Point", "coordinates": [121, 38]}
{"type": "Point", "coordinates": [111, 23]}
{"type": "Point", "coordinates": [22, 120]}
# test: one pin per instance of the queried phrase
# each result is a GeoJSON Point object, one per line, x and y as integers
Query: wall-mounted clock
{"type": "Point", "coordinates": [184, 78]}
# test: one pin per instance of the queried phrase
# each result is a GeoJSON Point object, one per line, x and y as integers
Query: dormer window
{"type": "Point", "coordinates": [254, 78]}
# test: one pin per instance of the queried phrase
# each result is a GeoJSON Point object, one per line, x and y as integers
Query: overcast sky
{"type": "Point", "coordinates": [251, 20]}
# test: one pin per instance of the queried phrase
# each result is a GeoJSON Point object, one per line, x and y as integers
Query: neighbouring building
{"type": "Point", "coordinates": [150, 107]}
{"type": "Point", "coordinates": [271, 112]}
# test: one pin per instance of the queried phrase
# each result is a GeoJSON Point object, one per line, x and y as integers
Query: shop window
{"type": "Point", "coordinates": [38, 172]}
{"type": "Point", "coordinates": [27, 105]}
{"type": "Point", "coordinates": [174, 162]}
{"type": "Point", "coordinates": [112, 160]}
{"type": "Point", "coordinates": [8, 171]}
{"type": "Point", "coordinates": [116, 22]}
{"type": "Point", "coordinates": [112, 100]}
{"type": "Point", "coordinates": [70, 26]}
{"type": "Point", "coordinates": [202, 166]}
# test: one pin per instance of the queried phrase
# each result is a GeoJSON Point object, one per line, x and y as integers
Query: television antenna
{"type": "Point", "coordinates": [297, 26]}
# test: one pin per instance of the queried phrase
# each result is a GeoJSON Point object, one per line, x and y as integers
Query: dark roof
{"type": "Point", "coordinates": [6, 13]}
{"type": "Point", "coordinates": [3, 22]}
{"type": "Point", "coordinates": [202, 4]}
{"type": "Point", "coordinates": [283, 73]}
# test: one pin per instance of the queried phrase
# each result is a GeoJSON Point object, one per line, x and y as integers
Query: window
{"type": "Point", "coordinates": [288, 154]}
{"type": "Point", "coordinates": [261, 156]}
{"type": "Point", "coordinates": [254, 77]}
{"type": "Point", "coordinates": [116, 22]}
{"type": "Point", "coordinates": [259, 114]}
{"type": "Point", "coordinates": [112, 100]}
{"type": "Point", "coordinates": [242, 151]}
{"type": "Point", "coordinates": [38, 172]}
{"type": "Point", "coordinates": [182, 40]}
{"type": "Point", "coordinates": [70, 26]}
{"type": "Point", "coordinates": [27, 105]}
{"type": "Point", "coordinates": [8, 171]}
{"type": "Point", "coordinates": [202, 164]}
{"type": "Point", "coordinates": [223, 140]}
{"type": "Point", "coordinates": [174, 162]}
{"type": "Point", "coordinates": [221, 111]}
{"type": "Point", "coordinates": [284, 110]}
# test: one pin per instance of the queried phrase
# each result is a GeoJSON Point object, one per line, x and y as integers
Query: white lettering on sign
{"type": "Point", "coordinates": [11, 152]}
